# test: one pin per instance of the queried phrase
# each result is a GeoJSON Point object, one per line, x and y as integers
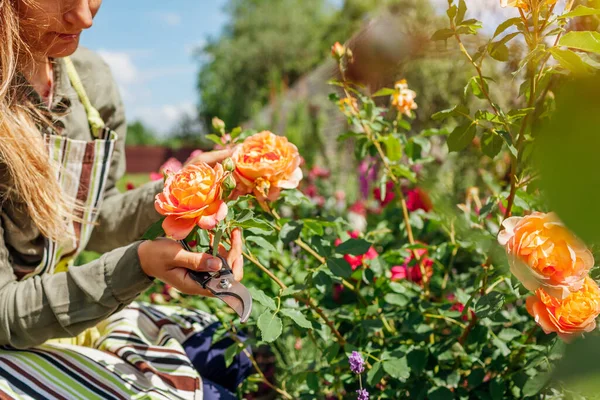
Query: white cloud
{"type": "Point", "coordinates": [166, 18]}
{"type": "Point", "coordinates": [171, 19]}
{"type": "Point", "coordinates": [134, 81]}
{"type": "Point", "coordinates": [122, 65]}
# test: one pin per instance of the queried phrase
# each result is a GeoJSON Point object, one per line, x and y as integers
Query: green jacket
{"type": "Point", "coordinates": [64, 304]}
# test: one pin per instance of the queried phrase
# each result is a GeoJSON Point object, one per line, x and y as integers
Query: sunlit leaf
{"type": "Point", "coordinates": [270, 326]}
{"type": "Point", "coordinates": [581, 11]}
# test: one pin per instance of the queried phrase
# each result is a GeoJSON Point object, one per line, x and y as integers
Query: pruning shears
{"type": "Point", "coordinates": [222, 285]}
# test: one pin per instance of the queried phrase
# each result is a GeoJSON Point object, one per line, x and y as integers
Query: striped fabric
{"type": "Point", "coordinates": [136, 353]}
{"type": "Point", "coordinates": [138, 356]}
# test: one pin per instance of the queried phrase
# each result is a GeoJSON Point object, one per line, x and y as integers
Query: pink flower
{"type": "Point", "coordinates": [194, 154]}
{"type": "Point", "coordinates": [311, 190]}
{"type": "Point", "coordinates": [319, 172]}
{"type": "Point", "coordinates": [358, 208]}
{"type": "Point", "coordinates": [171, 165]}
{"type": "Point", "coordinates": [413, 273]}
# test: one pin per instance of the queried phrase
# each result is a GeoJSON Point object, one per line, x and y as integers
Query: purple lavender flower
{"type": "Point", "coordinates": [367, 173]}
{"type": "Point", "coordinates": [362, 394]}
{"type": "Point", "coordinates": [357, 364]}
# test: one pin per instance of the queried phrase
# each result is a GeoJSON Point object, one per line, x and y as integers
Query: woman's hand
{"type": "Point", "coordinates": [211, 157]}
{"type": "Point", "coordinates": [167, 261]}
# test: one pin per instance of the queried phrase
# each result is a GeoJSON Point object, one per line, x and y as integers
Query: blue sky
{"type": "Point", "coordinates": [149, 47]}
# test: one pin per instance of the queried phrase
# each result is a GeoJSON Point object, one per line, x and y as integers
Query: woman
{"type": "Point", "coordinates": [62, 135]}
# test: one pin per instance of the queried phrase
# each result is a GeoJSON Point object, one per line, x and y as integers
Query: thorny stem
{"type": "Point", "coordinates": [392, 176]}
{"type": "Point", "coordinates": [447, 319]}
{"type": "Point", "coordinates": [253, 260]}
{"type": "Point", "coordinates": [257, 368]}
{"type": "Point", "coordinates": [217, 240]}
{"type": "Point", "coordinates": [481, 83]}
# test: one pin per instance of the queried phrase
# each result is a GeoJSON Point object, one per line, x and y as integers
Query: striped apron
{"type": "Point", "coordinates": [136, 353]}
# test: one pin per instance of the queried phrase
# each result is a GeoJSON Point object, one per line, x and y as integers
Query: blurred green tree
{"type": "Point", "coordinates": [265, 42]}
{"type": "Point", "coordinates": [139, 134]}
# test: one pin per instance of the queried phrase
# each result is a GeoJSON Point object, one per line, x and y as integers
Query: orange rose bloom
{"type": "Point", "coordinates": [544, 253]}
{"type": "Point", "coordinates": [403, 98]}
{"type": "Point", "coordinates": [264, 164]}
{"type": "Point", "coordinates": [192, 197]}
{"type": "Point", "coordinates": [570, 316]}
{"type": "Point", "coordinates": [526, 4]}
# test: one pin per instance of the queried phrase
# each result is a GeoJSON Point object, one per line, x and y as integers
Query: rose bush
{"type": "Point", "coordinates": [447, 276]}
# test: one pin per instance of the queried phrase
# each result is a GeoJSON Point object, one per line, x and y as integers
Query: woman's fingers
{"type": "Point", "coordinates": [234, 255]}
{"type": "Point", "coordinates": [212, 157]}
{"type": "Point", "coordinates": [181, 279]}
{"type": "Point", "coordinates": [236, 246]}
{"type": "Point", "coordinates": [196, 261]}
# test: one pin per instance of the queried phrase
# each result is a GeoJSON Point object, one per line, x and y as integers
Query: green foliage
{"type": "Point", "coordinates": [416, 282]}
{"type": "Point", "coordinates": [266, 44]}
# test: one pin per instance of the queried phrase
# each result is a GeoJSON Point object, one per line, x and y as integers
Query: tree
{"type": "Point", "coordinates": [265, 43]}
{"type": "Point", "coordinates": [139, 135]}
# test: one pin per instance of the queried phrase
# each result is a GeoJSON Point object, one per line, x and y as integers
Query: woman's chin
{"type": "Point", "coordinates": [59, 50]}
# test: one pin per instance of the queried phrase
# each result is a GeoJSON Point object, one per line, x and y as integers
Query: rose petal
{"type": "Point", "coordinates": [178, 228]}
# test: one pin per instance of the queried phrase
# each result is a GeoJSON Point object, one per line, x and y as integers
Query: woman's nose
{"type": "Point", "coordinates": [79, 15]}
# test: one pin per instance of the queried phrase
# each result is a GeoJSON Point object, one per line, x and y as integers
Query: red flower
{"type": "Point", "coordinates": [130, 186]}
{"type": "Point", "coordinates": [357, 261]}
{"type": "Point", "coordinates": [413, 273]}
{"type": "Point", "coordinates": [417, 199]}
{"type": "Point", "coordinates": [389, 194]}
{"type": "Point", "coordinates": [311, 190]}
{"type": "Point", "coordinates": [458, 306]}
{"type": "Point", "coordinates": [358, 208]}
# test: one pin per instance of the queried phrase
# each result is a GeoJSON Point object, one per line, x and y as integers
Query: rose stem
{"type": "Point", "coordinates": [216, 241]}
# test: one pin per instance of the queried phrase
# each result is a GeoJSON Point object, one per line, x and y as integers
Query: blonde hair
{"type": "Point", "coordinates": [30, 177]}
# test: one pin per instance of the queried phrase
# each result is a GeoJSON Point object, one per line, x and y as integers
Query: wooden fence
{"type": "Point", "coordinates": [146, 159]}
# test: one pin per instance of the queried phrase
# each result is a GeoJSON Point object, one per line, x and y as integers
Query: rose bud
{"type": "Point", "coordinates": [229, 183]}
{"type": "Point", "coordinates": [228, 164]}
{"type": "Point", "coordinates": [218, 125]}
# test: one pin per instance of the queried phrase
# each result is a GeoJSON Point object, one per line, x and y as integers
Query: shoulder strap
{"type": "Point", "coordinates": [94, 118]}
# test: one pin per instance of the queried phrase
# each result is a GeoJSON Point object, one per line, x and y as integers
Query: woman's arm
{"type": "Point", "coordinates": [65, 304]}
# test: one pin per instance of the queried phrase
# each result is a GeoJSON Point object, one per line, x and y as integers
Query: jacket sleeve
{"type": "Point", "coordinates": [123, 217]}
{"type": "Point", "coordinates": [65, 304]}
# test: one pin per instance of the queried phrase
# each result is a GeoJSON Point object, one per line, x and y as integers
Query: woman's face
{"type": "Point", "coordinates": [51, 28]}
